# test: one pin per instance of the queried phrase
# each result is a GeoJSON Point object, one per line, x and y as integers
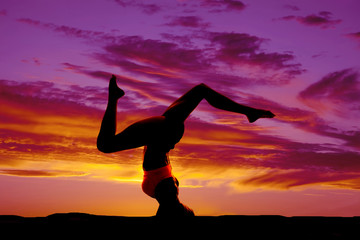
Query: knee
{"type": "Point", "coordinates": [104, 148]}
{"type": "Point", "coordinates": [202, 87]}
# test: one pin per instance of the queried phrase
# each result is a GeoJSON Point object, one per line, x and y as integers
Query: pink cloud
{"type": "Point", "coordinates": [157, 53]}
{"type": "Point", "coordinates": [243, 48]}
{"type": "Point", "coordinates": [39, 173]}
{"type": "Point", "coordinates": [217, 6]}
{"type": "Point", "coordinates": [141, 91]}
{"type": "Point", "coordinates": [188, 22]}
{"type": "Point", "coordinates": [292, 7]}
{"type": "Point", "coordinates": [171, 61]}
{"type": "Point", "coordinates": [355, 36]}
{"type": "Point", "coordinates": [41, 122]}
{"type": "Point", "coordinates": [306, 120]}
{"type": "Point", "coordinates": [33, 60]}
{"type": "Point", "coordinates": [145, 8]}
{"type": "Point", "coordinates": [70, 31]}
{"type": "Point", "coordinates": [295, 178]}
{"type": "Point", "coordinates": [338, 90]}
{"type": "Point", "coordinates": [3, 12]}
{"type": "Point", "coordinates": [322, 19]}
{"type": "Point", "coordinates": [289, 163]}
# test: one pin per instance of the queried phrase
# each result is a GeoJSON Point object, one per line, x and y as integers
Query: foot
{"type": "Point", "coordinates": [259, 113]}
{"type": "Point", "coordinates": [114, 91]}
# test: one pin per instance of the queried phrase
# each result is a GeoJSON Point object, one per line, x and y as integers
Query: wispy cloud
{"type": "Point", "coordinates": [172, 61]}
{"type": "Point", "coordinates": [70, 31]}
{"type": "Point", "coordinates": [217, 6]}
{"type": "Point", "coordinates": [242, 48]}
{"type": "Point", "coordinates": [295, 178]}
{"type": "Point", "coordinates": [337, 91]}
{"type": "Point", "coordinates": [188, 22]}
{"type": "Point", "coordinates": [323, 19]}
{"type": "Point", "coordinates": [144, 7]}
{"type": "Point", "coordinates": [355, 36]}
{"type": "Point", "coordinates": [40, 173]}
{"type": "Point", "coordinates": [292, 7]}
{"type": "Point", "coordinates": [3, 12]}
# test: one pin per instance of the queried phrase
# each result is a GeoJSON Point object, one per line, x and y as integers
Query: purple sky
{"type": "Point", "coordinates": [299, 59]}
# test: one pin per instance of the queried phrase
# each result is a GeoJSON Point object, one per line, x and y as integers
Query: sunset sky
{"type": "Point", "coordinates": [299, 59]}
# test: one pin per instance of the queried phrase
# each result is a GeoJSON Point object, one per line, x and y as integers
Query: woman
{"type": "Point", "coordinates": [159, 135]}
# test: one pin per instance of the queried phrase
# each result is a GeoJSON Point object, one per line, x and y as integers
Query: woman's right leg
{"type": "Point", "coordinates": [181, 108]}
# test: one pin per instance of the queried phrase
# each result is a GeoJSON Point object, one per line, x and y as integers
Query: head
{"type": "Point", "coordinates": [166, 193]}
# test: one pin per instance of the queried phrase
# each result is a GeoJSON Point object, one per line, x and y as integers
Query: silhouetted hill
{"type": "Point", "coordinates": [243, 227]}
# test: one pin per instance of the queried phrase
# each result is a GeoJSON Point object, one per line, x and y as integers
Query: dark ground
{"type": "Point", "coordinates": [75, 225]}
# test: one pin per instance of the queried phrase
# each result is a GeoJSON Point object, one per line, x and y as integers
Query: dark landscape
{"type": "Point", "coordinates": [249, 227]}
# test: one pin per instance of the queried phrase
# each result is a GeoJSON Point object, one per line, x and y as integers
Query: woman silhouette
{"type": "Point", "coordinates": [159, 135]}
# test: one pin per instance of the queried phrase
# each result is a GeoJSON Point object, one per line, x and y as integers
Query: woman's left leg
{"type": "Point", "coordinates": [136, 135]}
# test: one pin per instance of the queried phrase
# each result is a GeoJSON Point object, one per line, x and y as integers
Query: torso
{"type": "Point", "coordinates": [154, 159]}
{"type": "Point", "coordinates": [163, 138]}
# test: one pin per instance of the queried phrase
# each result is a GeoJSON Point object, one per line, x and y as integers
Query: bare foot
{"type": "Point", "coordinates": [114, 91]}
{"type": "Point", "coordinates": [259, 113]}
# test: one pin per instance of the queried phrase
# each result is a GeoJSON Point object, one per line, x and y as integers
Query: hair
{"type": "Point", "coordinates": [166, 193]}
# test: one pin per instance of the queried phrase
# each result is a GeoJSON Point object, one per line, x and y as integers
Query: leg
{"type": "Point", "coordinates": [181, 108]}
{"type": "Point", "coordinates": [108, 124]}
{"type": "Point", "coordinates": [134, 136]}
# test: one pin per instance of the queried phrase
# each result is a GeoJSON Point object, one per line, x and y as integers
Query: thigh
{"type": "Point", "coordinates": [182, 107]}
{"type": "Point", "coordinates": [138, 134]}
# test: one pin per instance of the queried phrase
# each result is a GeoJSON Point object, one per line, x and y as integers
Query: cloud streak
{"type": "Point", "coordinates": [149, 9]}
{"type": "Point", "coordinates": [323, 19]}
{"type": "Point", "coordinates": [188, 22]}
{"type": "Point", "coordinates": [164, 60]}
{"type": "Point", "coordinates": [40, 173]}
{"type": "Point", "coordinates": [337, 91]}
{"type": "Point", "coordinates": [218, 6]}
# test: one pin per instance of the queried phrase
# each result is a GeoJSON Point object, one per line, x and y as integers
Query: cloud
{"type": "Point", "coordinates": [292, 7]}
{"type": "Point", "coordinates": [144, 7]}
{"type": "Point", "coordinates": [337, 91]}
{"type": "Point", "coordinates": [36, 61]}
{"type": "Point", "coordinates": [3, 12]}
{"type": "Point", "coordinates": [355, 36]}
{"type": "Point", "coordinates": [295, 178]}
{"type": "Point", "coordinates": [40, 173]}
{"type": "Point", "coordinates": [71, 31]}
{"type": "Point", "coordinates": [235, 48]}
{"type": "Point", "coordinates": [308, 121]}
{"type": "Point", "coordinates": [157, 53]}
{"type": "Point", "coordinates": [172, 60]}
{"type": "Point", "coordinates": [322, 19]}
{"type": "Point", "coordinates": [138, 93]}
{"type": "Point", "coordinates": [41, 122]}
{"type": "Point", "coordinates": [188, 22]}
{"type": "Point", "coordinates": [275, 161]}
{"type": "Point", "coordinates": [217, 6]}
